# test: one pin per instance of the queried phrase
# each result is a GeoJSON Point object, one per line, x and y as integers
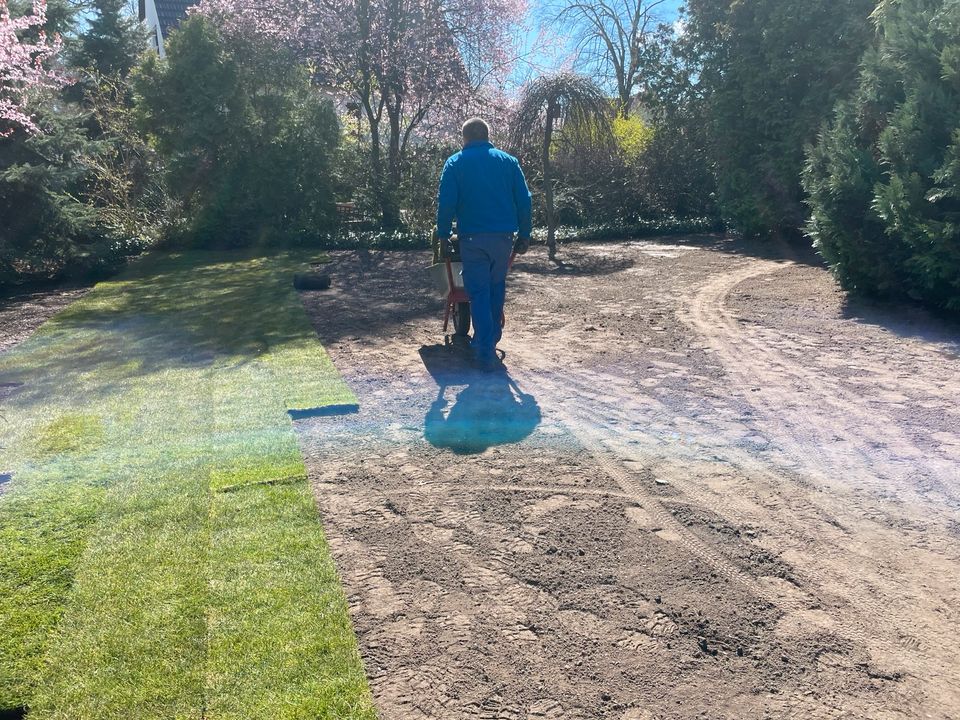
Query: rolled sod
{"type": "Point", "coordinates": [311, 281]}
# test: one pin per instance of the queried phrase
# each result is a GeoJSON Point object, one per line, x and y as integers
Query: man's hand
{"type": "Point", "coordinates": [449, 248]}
{"type": "Point", "coordinates": [521, 245]}
{"type": "Point", "coordinates": [445, 245]}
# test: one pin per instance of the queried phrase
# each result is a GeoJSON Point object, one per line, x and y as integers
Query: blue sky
{"type": "Point", "coordinates": [557, 52]}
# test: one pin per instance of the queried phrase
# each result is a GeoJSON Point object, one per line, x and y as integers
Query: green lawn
{"type": "Point", "coordinates": [161, 553]}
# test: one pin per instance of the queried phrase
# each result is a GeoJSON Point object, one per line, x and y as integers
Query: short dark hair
{"type": "Point", "coordinates": [475, 129]}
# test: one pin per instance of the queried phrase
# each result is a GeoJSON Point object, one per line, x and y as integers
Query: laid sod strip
{"type": "Point", "coordinates": [36, 571]}
{"type": "Point", "coordinates": [166, 557]}
{"type": "Point", "coordinates": [63, 441]}
{"type": "Point", "coordinates": [133, 636]}
{"type": "Point", "coordinates": [280, 642]}
{"type": "Point", "coordinates": [277, 601]}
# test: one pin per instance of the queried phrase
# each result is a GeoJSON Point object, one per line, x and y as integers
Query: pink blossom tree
{"type": "Point", "coordinates": [408, 65]}
{"type": "Point", "coordinates": [24, 65]}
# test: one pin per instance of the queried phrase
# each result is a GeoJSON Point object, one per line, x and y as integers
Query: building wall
{"type": "Point", "coordinates": [148, 13]}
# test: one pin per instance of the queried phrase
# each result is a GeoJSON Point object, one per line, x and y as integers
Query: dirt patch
{"type": "Point", "coordinates": [694, 495]}
{"type": "Point", "coordinates": [25, 311]}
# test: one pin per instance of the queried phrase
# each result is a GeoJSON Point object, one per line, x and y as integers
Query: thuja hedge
{"type": "Point", "coordinates": [884, 179]}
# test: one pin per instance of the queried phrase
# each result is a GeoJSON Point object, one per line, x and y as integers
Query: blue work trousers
{"type": "Point", "coordinates": [485, 263]}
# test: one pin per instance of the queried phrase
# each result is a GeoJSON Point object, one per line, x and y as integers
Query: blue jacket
{"type": "Point", "coordinates": [485, 190]}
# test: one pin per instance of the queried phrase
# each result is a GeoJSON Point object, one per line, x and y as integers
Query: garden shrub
{"type": "Point", "coordinates": [61, 185]}
{"type": "Point", "coordinates": [379, 239]}
{"type": "Point", "coordinates": [672, 174]}
{"type": "Point", "coordinates": [615, 231]}
{"type": "Point", "coordinates": [633, 136]}
{"type": "Point", "coordinates": [45, 226]}
{"type": "Point", "coordinates": [420, 178]}
{"type": "Point", "coordinates": [248, 142]}
{"type": "Point", "coordinates": [54, 226]}
{"type": "Point", "coordinates": [761, 77]}
{"type": "Point", "coordinates": [884, 177]}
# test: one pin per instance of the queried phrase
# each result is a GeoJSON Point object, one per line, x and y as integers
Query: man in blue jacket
{"type": "Point", "coordinates": [485, 190]}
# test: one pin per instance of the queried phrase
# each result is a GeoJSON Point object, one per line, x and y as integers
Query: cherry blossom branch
{"type": "Point", "coordinates": [25, 66]}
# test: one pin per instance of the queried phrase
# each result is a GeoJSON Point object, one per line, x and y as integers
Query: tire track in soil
{"type": "Point", "coordinates": [673, 475]}
{"type": "Point", "coordinates": [648, 455]}
{"type": "Point", "coordinates": [789, 388]}
{"type": "Point", "coordinates": [581, 425]}
{"type": "Point", "coordinates": [809, 410]}
{"type": "Point", "coordinates": [901, 632]}
{"type": "Point", "coordinates": [895, 632]}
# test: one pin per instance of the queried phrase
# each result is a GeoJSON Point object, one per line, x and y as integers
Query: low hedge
{"type": "Point", "coordinates": [416, 240]}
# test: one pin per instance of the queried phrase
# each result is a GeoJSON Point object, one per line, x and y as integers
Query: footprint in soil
{"type": "Point", "coordinates": [490, 410]}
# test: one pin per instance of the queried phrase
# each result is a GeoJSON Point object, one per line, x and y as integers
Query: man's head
{"type": "Point", "coordinates": [475, 129]}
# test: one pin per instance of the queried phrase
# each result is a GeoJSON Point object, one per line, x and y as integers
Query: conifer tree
{"type": "Point", "coordinates": [112, 42]}
{"type": "Point", "coordinates": [763, 75]}
{"type": "Point", "coordinates": [884, 178]}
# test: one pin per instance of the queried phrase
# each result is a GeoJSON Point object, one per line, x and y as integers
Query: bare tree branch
{"type": "Point", "coordinates": [613, 40]}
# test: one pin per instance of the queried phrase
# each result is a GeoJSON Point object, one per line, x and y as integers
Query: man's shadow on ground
{"type": "Point", "coordinates": [490, 410]}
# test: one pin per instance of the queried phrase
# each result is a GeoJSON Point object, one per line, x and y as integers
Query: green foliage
{"type": "Point", "coordinates": [61, 17]}
{"type": "Point", "coordinates": [48, 228]}
{"type": "Point", "coordinates": [42, 223]}
{"type": "Point", "coordinates": [588, 166]}
{"type": "Point", "coordinates": [70, 195]}
{"type": "Point", "coordinates": [633, 136]}
{"type": "Point", "coordinates": [379, 239]}
{"type": "Point", "coordinates": [352, 180]}
{"type": "Point", "coordinates": [547, 105]}
{"type": "Point", "coordinates": [418, 188]}
{"type": "Point", "coordinates": [124, 178]}
{"type": "Point", "coordinates": [884, 177]}
{"type": "Point", "coordinates": [673, 174]}
{"type": "Point", "coordinates": [617, 230]}
{"type": "Point", "coordinates": [652, 172]}
{"type": "Point", "coordinates": [111, 43]}
{"type": "Point", "coordinates": [762, 76]}
{"type": "Point", "coordinates": [632, 230]}
{"type": "Point", "coordinates": [416, 194]}
{"type": "Point", "coordinates": [248, 142]}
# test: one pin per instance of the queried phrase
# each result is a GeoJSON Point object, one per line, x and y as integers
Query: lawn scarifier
{"type": "Point", "coordinates": [162, 553]}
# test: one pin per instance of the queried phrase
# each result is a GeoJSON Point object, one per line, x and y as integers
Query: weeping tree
{"type": "Point", "coordinates": [547, 105]}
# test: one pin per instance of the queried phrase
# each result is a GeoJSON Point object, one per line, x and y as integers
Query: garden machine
{"type": "Point", "coordinates": [447, 274]}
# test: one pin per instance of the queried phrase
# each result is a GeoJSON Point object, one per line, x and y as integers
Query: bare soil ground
{"type": "Point", "coordinates": [708, 487]}
{"type": "Point", "coordinates": [26, 310]}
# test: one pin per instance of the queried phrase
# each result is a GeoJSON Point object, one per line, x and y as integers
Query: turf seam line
{"type": "Point", "coordinates": [291, 479]}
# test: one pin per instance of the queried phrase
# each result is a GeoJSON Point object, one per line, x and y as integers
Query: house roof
{"type": "Point", "coordinates": [171, 12]}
